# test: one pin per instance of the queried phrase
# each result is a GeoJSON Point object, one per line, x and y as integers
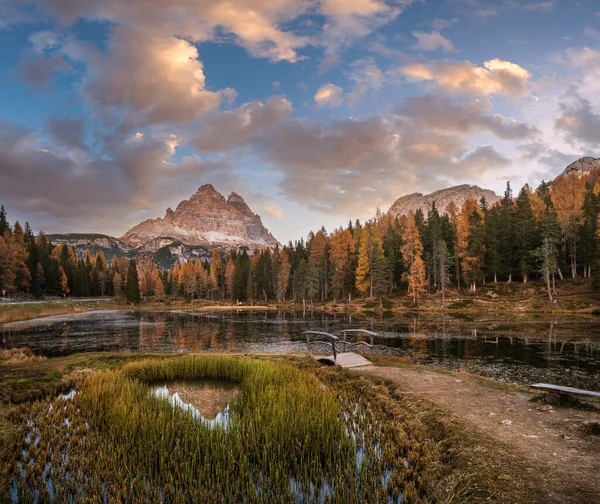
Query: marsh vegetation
{"type": "Point", "coordinates": [297, 433]}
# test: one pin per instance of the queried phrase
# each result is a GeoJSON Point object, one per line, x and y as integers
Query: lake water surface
{"type": "Point", "coordinates": [564, 351]}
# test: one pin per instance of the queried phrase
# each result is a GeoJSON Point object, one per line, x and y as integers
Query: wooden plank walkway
{"type": "Point", "coordinates": [346, 359]}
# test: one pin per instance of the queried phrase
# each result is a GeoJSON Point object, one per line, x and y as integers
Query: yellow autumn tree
{"type": "Point", "coordinates": [229, 275]}
{"type": "Point", "coordinates": [342, 253]}
{"type": "Point", "coordinates": [63, 280]}
{"type": "Point", "coordinates": [412, 251]}
{"type": "Point", "coordinates": [159, 289]}
{"type": "Point", "coordinates": [568, 193]}
{"type": "Point", "coordinates": [363, 269]}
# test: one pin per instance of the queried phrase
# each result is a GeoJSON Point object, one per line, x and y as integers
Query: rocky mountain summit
{"type": "Point", "coordinates": [197, 226]}
{"type": "Point", "coordinates": [458, 194]}
{"type": "Point", "coordinates": [582, 166]}
{"type": "Point", "coordinates": [207, 220]}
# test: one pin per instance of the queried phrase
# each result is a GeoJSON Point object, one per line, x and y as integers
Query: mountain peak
{"type": "Point", "coordinates": [583, 165]}
{"type": "Point", "coordinates": [206, 188]}
{"type": "Point", "coordinates": [458, 194]}
{"type": "Point", "coordinates": [207, 220]}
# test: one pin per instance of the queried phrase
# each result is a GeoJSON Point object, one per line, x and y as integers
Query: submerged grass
{"type": "Point", "coordinates": [299, 433]}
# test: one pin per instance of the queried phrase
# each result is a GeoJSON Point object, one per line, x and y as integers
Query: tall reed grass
{"type": "Point", "coordinates": [296, 435]}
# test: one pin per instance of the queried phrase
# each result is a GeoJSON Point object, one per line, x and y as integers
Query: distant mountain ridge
{"type": "Point", "coordinates": [197, 226]}
{"type": "Point", "coordinates": [458, 194]}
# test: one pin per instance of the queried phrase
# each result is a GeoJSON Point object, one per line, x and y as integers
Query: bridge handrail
{"type": "Point", "coordinates": [327, 335]}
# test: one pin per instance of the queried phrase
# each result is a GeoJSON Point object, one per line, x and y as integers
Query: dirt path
{"type": "Point", "coordinates": [561, 461]}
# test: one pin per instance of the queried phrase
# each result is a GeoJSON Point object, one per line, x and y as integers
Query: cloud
{"type": "Point", "coordinates": [273, 211]}
{"type": "Point", "coordinates": [495, 77]}
{"type": "Point", "coordinates": [38, 71]}
{"type": "Point", "coordinates": [366, 76]}
{"type": "Point", "coordinates": [350, 20]}
{"type": "Point", "coordinates": [65, 192]}
{"type": "Point", "coordinates": [68, 132]}
{"type": "Point", "coordinates": [328, 63]}
{"type": "Point", "coordinates": [579, 121]}
{"type": "Point", "coordinates": [591, 32]}
{"type": "Point", "coordinates": [469, 117]}
{"type": "Point", "coordinates": [228, 130]}
{"type": "Point", "coordinates": [329, 95]}
{"type": "Point", "coordinates": [546, 6]}
{"type": "Point", "coordinates": [587, 58]}
{"type": "Point", "coordinates": [433, 41]}
{"type": "Point", "coordinates": [164, 81]}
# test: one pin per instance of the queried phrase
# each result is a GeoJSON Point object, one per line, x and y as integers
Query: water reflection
{"type": "Point", "coordinates": [208, 401]}
{"type": "Point", "coordinates": [565, 351]}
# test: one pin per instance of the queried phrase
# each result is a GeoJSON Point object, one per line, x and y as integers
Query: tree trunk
{"type": "Point", "coordinates": [525, 278]}
{"type": "Point", "coordinates": [509, 278]}
{"type": "Point", "coordinates": [495, 277]}
{"type": "Point", "coordinates": [560, 275]}
{"type": "Point", "coordinates": [548, 286]}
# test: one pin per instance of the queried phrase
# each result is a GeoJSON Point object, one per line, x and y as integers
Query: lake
{"type": "Point", "coordinates": [562, 350]}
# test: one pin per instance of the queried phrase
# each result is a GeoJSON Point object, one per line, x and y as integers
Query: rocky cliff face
{"type": "Point", "coordinates": [583, 165]}
{"type": "Point", "coordinates": [205, 220]}
{"type": "Point", "coordinates": [458, 194]}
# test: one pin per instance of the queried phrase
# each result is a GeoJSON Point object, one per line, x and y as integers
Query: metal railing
{"type": "Point", "coordinates": [333, 339]}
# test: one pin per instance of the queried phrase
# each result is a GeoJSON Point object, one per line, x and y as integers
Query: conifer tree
{"type": "Point", "coordinates": [525, 233]}
{"type": "Point", "coordinates": [4, 225]}
{"type": "Point", "coordinates": [132, 288]}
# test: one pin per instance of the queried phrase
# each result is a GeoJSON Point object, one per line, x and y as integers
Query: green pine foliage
{"type": "Point", "coordinates": [132, 287]}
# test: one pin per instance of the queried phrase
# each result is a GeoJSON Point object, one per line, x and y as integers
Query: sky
{"type": "Point", "coordinates": [317, 112]}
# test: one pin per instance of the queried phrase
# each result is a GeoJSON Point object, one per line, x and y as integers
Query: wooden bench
{"type": "Point", "coordinates": [553, 392]}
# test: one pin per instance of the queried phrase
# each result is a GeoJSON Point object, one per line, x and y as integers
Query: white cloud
{"type": "Point", "coordinates": [329, 95]}
{"type": "Point", "coordinates": [495, 77]}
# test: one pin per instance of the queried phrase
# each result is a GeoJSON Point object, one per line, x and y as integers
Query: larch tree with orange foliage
{"type": "Point", "coordinates": [215, 273]}
{"type": "Point", "coordinates": [412, 251]}
{"type": "Point", "coordinates": [568, 193]}
{"type": "Point", "coordinates": [229, 275]}
{"type": "Point", "coordinates": [342, 255]}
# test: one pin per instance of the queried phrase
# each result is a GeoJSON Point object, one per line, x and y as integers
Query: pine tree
{"type": "Point", "coordinates": [132, 288]}
{"type": "Point", "coordinates": [4, 225]}
{"type": "Point", "coordinates": [506, 234]}
{"type": "Point", "coordinates": [444, 264]}
{"type": "Point", "coordinates": [525, 233]}
{"type": "Point", "coordinates": [283, 277]}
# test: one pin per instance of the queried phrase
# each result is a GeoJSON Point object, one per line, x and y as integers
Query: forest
{"type": "Point", "coordinates": [552, 231]}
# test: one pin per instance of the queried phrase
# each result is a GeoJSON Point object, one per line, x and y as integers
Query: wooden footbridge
{"type": "Point", "coordinates": [345, 358]}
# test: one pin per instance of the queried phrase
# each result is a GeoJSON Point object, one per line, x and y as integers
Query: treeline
{"type": "Point", "coordinates": [549, 232]}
